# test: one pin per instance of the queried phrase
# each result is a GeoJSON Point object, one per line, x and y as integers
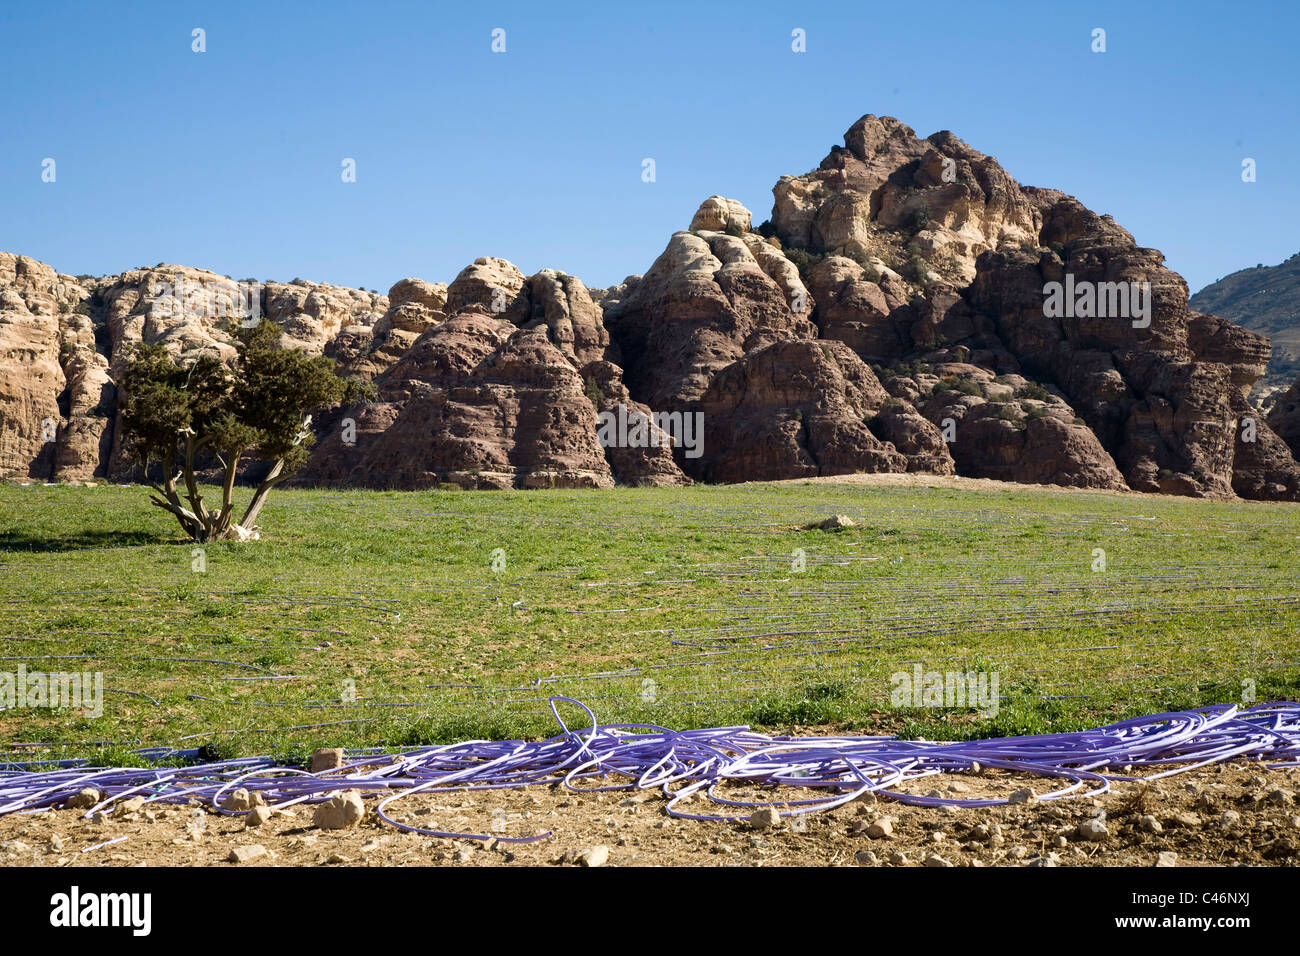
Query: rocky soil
{"type": "Point", "coordinates": [1241, 814]}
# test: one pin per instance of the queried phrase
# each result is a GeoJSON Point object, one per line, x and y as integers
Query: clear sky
{"type": "Point", "coordinates": [231, 159]}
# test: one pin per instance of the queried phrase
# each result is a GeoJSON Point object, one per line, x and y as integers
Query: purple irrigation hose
{"type": "Point", "coordinates": [690, 764]}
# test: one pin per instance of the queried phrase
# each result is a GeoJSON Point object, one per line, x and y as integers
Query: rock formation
{"type": "Point", "coordinates": [476, 402]}
{"type": "Point", "coordinates": [1284, 418]}
{"type": "Point", "coordinates": [1264, 299]}
{"type": "Point", "coordinates": [908, 307]}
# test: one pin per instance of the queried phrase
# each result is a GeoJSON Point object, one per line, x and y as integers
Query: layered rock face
{"type": "Point", "coordinates": [706, 302]}
{"type": "Point", "coordinates": [1284, 418]}
{"type": "Point", "coordinates": [797, 409]}
{"type": "Point", "coordinates": [32, 299]}
{"type": "Point", "coordinates": [476, 402]}
{"type": "Point", "coordinates": [924, 256]}
{"type": "Point", "coordinates": [908, 307]}
{"type": "Point", "coordinates": [505, 393]}
{"type": "Point", "coordinates": [1263, 299]}
{"type": "Point", "coordinates": [66, 341]}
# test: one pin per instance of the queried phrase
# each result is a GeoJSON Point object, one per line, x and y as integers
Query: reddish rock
{"type": "Point", "coordinates": [798, 409]}
{"type": "Point", "coordinates": [648, 464]}
{"type": "Point", "coordinates": [705, 303]}
{"type": "Point", "coordinates": [1284, 418]}
{"type": "Point", "coordinates": [474, 402]}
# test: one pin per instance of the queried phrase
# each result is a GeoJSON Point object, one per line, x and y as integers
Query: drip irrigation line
{"type": "Point", "coordinates": [713, 765]}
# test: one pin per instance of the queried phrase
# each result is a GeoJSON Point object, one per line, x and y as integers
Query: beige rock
{"type": "Point", "coordinates": [247, 854]}
{"type": "Point", "coordinates": [84, 799]}
{"type": "Point", "coordinates": [341, 811]}
{"type": "Point", "coordinates": [326, 758]}
{"type": "Point", "coordinates": [717, 213]}
{"type": "Point", "coordinates": [257, 816]}
{"type": "Point", "coordinates": [594, 856]}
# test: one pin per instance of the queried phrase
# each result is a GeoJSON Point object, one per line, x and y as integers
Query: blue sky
{"type": "Point", "coordinates": [231, 159]}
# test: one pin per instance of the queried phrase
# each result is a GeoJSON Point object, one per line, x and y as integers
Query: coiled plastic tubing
{"type": "Point", "coordinates": [692, 768]}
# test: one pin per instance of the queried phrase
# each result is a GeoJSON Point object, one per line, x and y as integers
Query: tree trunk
{"type": "Point", "coordinates": [259, 497]}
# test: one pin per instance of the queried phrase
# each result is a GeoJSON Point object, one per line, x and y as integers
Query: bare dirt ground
{"type": "Point", "coordinates": [1238, 814]}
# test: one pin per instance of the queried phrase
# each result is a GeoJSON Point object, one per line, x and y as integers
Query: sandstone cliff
{"type": "Point", "coordinates": [892, 315]}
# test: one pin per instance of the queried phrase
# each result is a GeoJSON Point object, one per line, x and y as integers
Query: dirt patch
{"type": "Point", "coordinates": [1239, 814]}
{"type": "Point", "coordinates": [958, 483]}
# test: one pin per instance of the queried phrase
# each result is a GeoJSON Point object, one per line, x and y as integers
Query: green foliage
{"type": "Point", "coordinates": [734, 229]}
{"type": "Point", "coordinates": [917, 271]}
{"type": "Point", "coordinates": [595, 394]}
{"type": "Point", "coordinates": [1034, 390]}
{"type": "Point", "coordinates": [804, 260]}
{"type": "Point", "coordinates": [965, 386]}
{"type": "Point", "coordinates": [169, 413]}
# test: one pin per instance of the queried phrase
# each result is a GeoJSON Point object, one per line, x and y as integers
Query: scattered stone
{"type": "Point", "coordinates": [246, 854]}
{"type": "Point", "coordinates": [1280, 796]}
{"type": "Point", "coordinates": [1150, 824]}
{"type": "Point", "coordinates": [881, 828]}
{"type": "Point", "coordinates": [338, 858]}
{"type": "Point", "coordinates": [764, 818]}
{"type": "Point", "coordinates": [1185, 820]}
{"type": "Point", "coordinates": [1166, 858]}
{"type": "Point", "coordinates": [898, 858]}
{"type": "Point", "coordinates": [130, 806]}
{"type": "Point", "coordinates": [341, 811]}
{"type": "Point", "coordinates": [936, 861]}
{"type": "Point", "coordinates": [866, 857]}
{"type": "Point", "coordinates": [257, 816]}
{"type": "Point", "coordinates": [1230, 818]}
{"type": "Point", "coordinates": [958, 787]}
{"type": "Point", "coordinates": [1062, 842]}
{"type": "Point", "coordinates": [1049, 860]}
{"type": "Point", "coordinates": [326, 758]}
{"type": "Point", "coordinates": [1017, 852]}
{"type": "Point", "coordinates": [84, 799]}
{"type": "Point", "coordinates": [240, 800]}
{"type": "Point", "coordinates": [1024, 796]}
{"type": "Point", "coordinates": [837, 523]}
{"type": "Point", "coordinates": [594, 856]}
{"type": "Point", "coordinates": [1093, 830]}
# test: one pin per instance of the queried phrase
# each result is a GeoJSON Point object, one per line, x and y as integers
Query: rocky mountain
{"type": "Point", "coordinates": [908, 307]}
{"type": "Point", "coordinates": [1264, 299]}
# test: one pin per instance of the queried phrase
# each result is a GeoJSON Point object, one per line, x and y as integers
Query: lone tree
{"type": "Point", "coordinates": [172, 415]}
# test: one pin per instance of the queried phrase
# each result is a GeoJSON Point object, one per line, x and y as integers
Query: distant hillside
{"type": "Point", "coordinates": [1263, 299]}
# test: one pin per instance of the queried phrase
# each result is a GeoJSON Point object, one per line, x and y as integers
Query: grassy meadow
{"type": "Point", "coordinates": [371, 618]}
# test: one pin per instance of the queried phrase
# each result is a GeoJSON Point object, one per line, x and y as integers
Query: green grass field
{"type": "Point", "coordinates": [369, 618]}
